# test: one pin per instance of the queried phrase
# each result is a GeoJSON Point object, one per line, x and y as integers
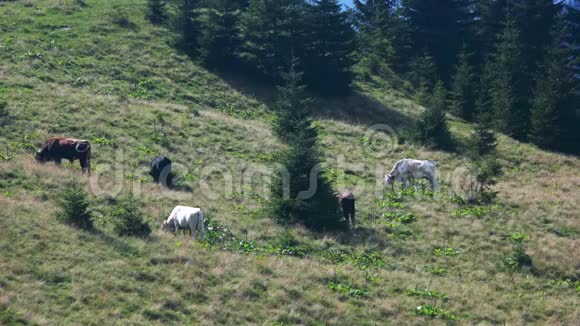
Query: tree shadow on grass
{"type": "Point", "coordinates": [363, 236]}
{"type": "Point", "coordinates": [119, 245]}
{"type": "Point", "coordinates": [362, 109]}
{"type": "Point", "coordinates": [355, 107]}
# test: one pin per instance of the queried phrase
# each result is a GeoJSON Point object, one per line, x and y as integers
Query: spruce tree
{"type": "Point", "coordinates": [438, 29]}
{"type": "Point", "coordinates": [490, 22]}
{"type": "Point", "coordinates": [74, 205]}
{"type": "Point", "coordinates": [366, 11]}
{"type": "Point", "coordinates": [534, 19]}
{"type": "Point", "coordinates": [301, 160]}
{"type": "Point", "coordinates": [220, 37]}
{"type": "Point", "coordinates": [572, 39]}
{"type": "Point", "coordinates": [432, 129]}
{"type": "Point", "coordinates": [273, 33]}
{"type": "Point", "coordinates": [483, 140]}
{"type": "Point", "coordinates": [554, 102]}
{"type": "Point", "coordinates": [571, 18]}
{"type": "Point", "coordinates": [330, 52]}
{"type": "Point", "coordinates": [422, 72]}
{"type": "Point", "coordinates": [508, 90]}
{"type": "Point", "coordinates": [463, 88]}
{"type": "Point", "coordinates": [380, 47]}
{"type": "Point", "coordinates": [128, 219]}
{"type": "Point", "coordinates": [186, 25]}
{"type": "Point", "coordinates": [384, 35]}
{"type": "Point", "coordinates": [156, 11]}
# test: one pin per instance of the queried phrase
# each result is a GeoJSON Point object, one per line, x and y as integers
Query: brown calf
{"type": "Point", "coordinates": [346, 202]}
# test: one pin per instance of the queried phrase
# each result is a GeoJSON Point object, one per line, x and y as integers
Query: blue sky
{"type": "Point", "coordinates": [346, 2]}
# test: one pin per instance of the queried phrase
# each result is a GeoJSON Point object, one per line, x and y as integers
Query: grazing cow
{"type": "Point", "coordinates": [406, 169]}
{"type": "Point", "coordinates": [160, 170]}
{"type": "Point", "coordinates": [182, 217]}
{"type": "Point", "coordinates": [58, 148]}
{"type": "Point", "coordinates": [346, 203]}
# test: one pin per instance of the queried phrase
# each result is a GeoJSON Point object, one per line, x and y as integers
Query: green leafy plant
{"type": "Point", "coordinates": [434, 312]}
{"type": "Point", "coordinates": [457, 199]}
{"type": "Point", "coordinates": [142, 89]}
{"type": "Point", "coordinates": [518, 237]}
{"type": "Point", "coordinates": [400, 218]}
{"type": "Point", "coordinates": [288, 245]}
{"type": "Point", "coordinates": [217, 235]}
{"type": "Point", "coordinates": [446, 251]}
{"type": "Point", "coordinates": [518, 257]}
{"type": "Point", "coordinates": [7, 155]}
{"type": "Point", "coordinates": [368, 260]}
{"type": "Point", "coordinates": [348, 289]}
{"type": "Point", "coordinates": [436, 270]}
{"type": "Point", "coordinates": [10, 317]}
{"type": "Point", "coordinates": [566, 283]}
{"type": "Point", "coordinates": [336, 256]}
{"type": "Point", "coordinates": [246, 246]}
{"type": "Point", "coordinates": [146, 150]}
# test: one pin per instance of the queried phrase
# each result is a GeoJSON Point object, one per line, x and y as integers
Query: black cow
{"type": "Point", "coordinates": [346, 202]}
{"type": "Point", "coordinates": [58, 148]}
{"type": "Point", "coordinates": [160, 170]}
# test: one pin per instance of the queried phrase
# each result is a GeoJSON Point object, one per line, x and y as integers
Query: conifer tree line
{"type": "Point", "coordinates": [512, 61]}
{"type": "Point", "coordinates": [263, 36]}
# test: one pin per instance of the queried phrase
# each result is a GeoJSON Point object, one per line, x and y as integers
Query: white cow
{"type": "Point", "coordinates": [406, 169]}
{"type": "Point", "coordinates": [184, 216]}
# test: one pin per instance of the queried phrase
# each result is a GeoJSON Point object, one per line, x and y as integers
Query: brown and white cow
{"type": "Point", "coordinates": [346, 202]}
{"type": "Point", "coordinates": [58, 148]}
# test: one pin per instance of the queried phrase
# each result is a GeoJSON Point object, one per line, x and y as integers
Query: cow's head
{"type": "Point", "coordinates": [167, 227]}
{"type": "Point", "coordinates": [389, 179]}
{"type": "Point", "coordinates": [41, 155]}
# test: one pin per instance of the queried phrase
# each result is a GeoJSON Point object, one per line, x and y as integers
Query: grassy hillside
{"type": "Point", "coordinates": [95, 70]}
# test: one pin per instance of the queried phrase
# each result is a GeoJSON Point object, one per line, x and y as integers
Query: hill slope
{"type": "Point", "coordinates": [100, 71]}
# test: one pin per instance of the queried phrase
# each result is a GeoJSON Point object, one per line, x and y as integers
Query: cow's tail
{"type": "Point", "coordinates": [434, 162]}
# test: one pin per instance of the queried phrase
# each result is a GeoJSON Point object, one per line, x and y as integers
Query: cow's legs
{"type": "Point", "coordinates": [434, 184]}
{"type": "Point", "coordinates": [58, 162]}
{"type": "Point", "coordinates": [176, 225]}
{"type": "Point", "coordinates": [84, 166]}
{"type": "Point", "coordinates": [193, 227]}
{"type": "Point", "coordinates": [352, 219]}
{"type": "Point", "coordinates": [87, 167]}
{"type": "Point", "coordinates": [201, 229]}
{"type": "Point", "coordinates": [405, 183]}
{"type": "Point", "coordinates": [164, 176]}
